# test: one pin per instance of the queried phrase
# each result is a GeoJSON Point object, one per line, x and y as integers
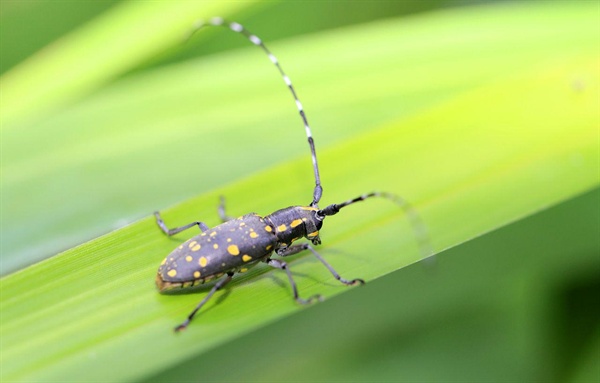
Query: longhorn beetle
{"type": "Point", "coordinates": [237, 244]}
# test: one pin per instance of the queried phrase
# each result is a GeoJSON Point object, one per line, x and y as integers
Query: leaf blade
{"type": "Point", "coordinates": [121, 314]}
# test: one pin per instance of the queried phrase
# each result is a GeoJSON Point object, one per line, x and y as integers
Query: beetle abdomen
{"type": "Point", "coordinates": [231, 246]}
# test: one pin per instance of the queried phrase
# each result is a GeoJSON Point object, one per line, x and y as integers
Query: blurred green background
{"type": "Point", "coordinates": [107, 117]}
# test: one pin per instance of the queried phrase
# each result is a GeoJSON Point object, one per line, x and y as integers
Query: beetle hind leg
{"type": "Point", "coordinates": [218, 286]}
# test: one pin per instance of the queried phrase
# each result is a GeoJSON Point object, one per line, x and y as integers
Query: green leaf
{"type": "Point", "coordinates": [475, 124]}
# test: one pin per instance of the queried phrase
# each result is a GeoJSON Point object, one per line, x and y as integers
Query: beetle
{"type": "Point", "coordinates": [217, 253]}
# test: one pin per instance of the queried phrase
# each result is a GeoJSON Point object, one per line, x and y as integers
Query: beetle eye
{"type": "Point", "coordinates": [318, 220]}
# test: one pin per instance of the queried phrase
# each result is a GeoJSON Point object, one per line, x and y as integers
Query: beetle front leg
{"type": "Point", "coordinates": [283, 266]}
{"type": "Point", "coordinates": [170, 232]}
{"type": "Point", "coordinates": [294, 249]}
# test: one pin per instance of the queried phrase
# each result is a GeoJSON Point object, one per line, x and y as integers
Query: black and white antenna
{"type": "Point", "coordinates": [236, 27]}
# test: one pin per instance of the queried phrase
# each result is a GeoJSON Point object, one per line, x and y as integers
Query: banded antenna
{"type": "Point", "coordinates": [414, 219]}
{"type": "Point", "coordinates": [236, 27]}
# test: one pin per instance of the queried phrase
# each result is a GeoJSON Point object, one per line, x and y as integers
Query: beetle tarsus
{"type": "Point", "coordinates": [316, 297]}
{"type": "Point", "coordinates": [352, 282]}
{"type": "Point", "coordinates": [182, 326]}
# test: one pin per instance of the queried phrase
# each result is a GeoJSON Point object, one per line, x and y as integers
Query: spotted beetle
{"type": "Point", "coordinates": [238, 244]}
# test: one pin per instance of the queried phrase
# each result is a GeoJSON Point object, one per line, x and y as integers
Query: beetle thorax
{"type": "Point", "coordinates": [295, 222]}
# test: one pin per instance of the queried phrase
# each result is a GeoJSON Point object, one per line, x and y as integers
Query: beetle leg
{"type": "Point", "coordinates": [218, 286]}
{"type": "Point", "coordinates": [224, 217]}
{"type": "Point", "coordinates": [283, 266]}
{"type": "Point", "coordinates": [294, 249]}
{"type": "Point", "coordinates": [169, 232]}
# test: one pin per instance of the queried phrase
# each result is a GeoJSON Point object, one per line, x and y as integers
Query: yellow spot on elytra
{"type": "Point", "coordinates": [180, 247]}
{"type": "Point", "coordinates": [196, 274]}
{"type": "Point", "coordinates": [243, 270]}
{"type": "Point", "coordinates": [253, 234]}
{"type": "Point", "coordinates": [203, 261]}
{"type": "Point", "coordinates": [196, 247]}
{"type": "Point", "coordinates": [215, 246]}
{"type": "Point", "coordinates": [172, 273]}
{"type": "Point", "coordinates": [192, 244]}
{"type": "Point", "coordinates": [296, 222]}
{"type": "Point", "coordinates": [228, 239]}
{"type": "Point", "coordinates": [189, 258]}
{"type": "Point", "coordinates": [242, 224]}
{"type": "Point", "coordinates": [246, 258]}
{"type": "Point", "coordinates": [269, 247]}
{"type": "Point", "coordinates": [313, 234]}
{"type": "Point", "coordinates": [163, 262]}
{"type": "Point", "coordinates": [268, 228]}
{"type": "Point", "coordinates": [281, 228]}
{"type": "Point", "coordinates": [233, 250]}
{"type": "Point", "coordinates": [203, 234]}
{"type": "Point", "coordinates": [213, 233]}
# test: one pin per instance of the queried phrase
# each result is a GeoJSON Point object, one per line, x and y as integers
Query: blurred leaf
{"type": "Point", "coordinates": [27, 26]}
{"type": "Point", "coordinates": [517, 135]}
{"type": "Point", "coordinates": [106, 46]}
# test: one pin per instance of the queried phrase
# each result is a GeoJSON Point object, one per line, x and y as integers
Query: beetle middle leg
{"type": "Point", "coordinates": [295, 249]}
{"type": "Point", "coordinates": [218, 286]}
{"type": "Point", "coordinates": [170, 232]}
{"type": "Point", "coordinates": [224, 217]}
{"type": "Point", "coordinates": [283, 266]}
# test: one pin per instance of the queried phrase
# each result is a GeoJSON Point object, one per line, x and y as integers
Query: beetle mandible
{"type": "Point", "coordinates": [238, 244]}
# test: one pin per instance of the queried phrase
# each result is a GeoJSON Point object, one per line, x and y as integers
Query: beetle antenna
{"type": "Point", "coordinates": [235, 27]}
{"type": "Point", "coordinates": [416, 222]}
